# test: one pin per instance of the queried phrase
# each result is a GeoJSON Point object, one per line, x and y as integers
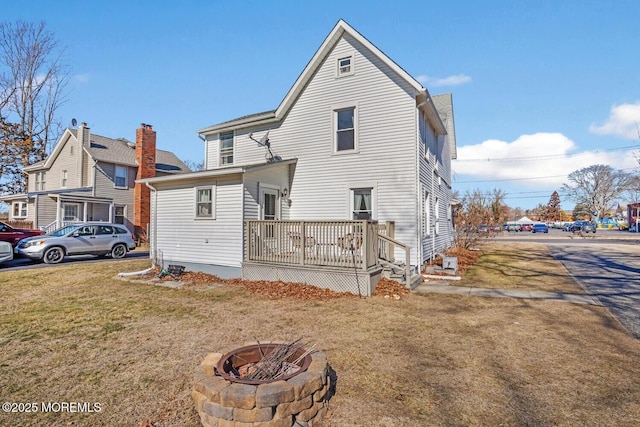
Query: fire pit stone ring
{"type": "Point", "coordinates": [301, 399]}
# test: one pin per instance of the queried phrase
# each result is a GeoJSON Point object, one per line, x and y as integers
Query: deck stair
{"type": "Point", "coordinates": [400, 271]}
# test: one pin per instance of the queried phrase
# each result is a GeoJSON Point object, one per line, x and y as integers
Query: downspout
{"type": "Point", "coordinates": [432, 203]}
{"type": "Point", "coordinates": [153, 248]}
{"type": "Point", "coordinates": [93, 178]}
{"type": "Point", "coordinates": [35, 215]}
{"type": "Point", "coordinates": [204, 139]}
{"type": "Point", "coordinates": [418, 190]}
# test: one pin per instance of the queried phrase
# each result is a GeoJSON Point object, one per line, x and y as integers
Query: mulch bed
{"type": "Point", "coordinates": [386, 288]}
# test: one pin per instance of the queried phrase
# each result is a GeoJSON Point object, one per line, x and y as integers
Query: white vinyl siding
{"type": "Point", "coordinates": [182, 238]}
{"type": "Point", "coordinates": [386, 129]}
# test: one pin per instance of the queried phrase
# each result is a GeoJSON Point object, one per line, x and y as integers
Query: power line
{"type": "Point", "coordinates": [544, 157]}
{"type": "Point", "coordinates": [523, 179]}
{"type": "Point", "coordinates": [511, 179]}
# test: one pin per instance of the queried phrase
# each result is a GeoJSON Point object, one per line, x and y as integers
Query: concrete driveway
{"type": "Point", "coordinates": [609, 272]}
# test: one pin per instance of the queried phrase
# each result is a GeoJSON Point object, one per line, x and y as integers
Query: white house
{"type": "Point", "coordinates": [355, 138]}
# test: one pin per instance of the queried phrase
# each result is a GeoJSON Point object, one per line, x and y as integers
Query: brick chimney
{"type": "Point", "coordinates": [146, 160]}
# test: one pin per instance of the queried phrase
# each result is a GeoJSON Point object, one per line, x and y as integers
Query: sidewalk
{"type": "Point", "coordinates": [444, 288]}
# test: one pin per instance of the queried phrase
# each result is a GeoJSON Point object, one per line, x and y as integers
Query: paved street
{"type": "Point", "coordinates": [609, 272]}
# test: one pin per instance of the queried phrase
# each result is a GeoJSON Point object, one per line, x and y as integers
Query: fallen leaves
{"type": "Point", "coordinates": [386, 288]}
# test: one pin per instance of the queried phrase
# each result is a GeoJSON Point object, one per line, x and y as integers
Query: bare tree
{"type": "Point", "coordinates": [193, 165]}
{"type": "Point", "coordinates": [597, 187]}
{"type": "Point", "coordinates": [632, 192]}
{"type": "Point", "coordinates": [477, 208]}
{"type": "Point", "coordinates": [32, 83]}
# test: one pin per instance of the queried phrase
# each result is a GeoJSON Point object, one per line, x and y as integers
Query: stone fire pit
{"type": "Point", "coordinates": [299, 398]}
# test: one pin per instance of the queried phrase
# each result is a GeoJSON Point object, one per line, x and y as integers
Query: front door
{"type": "Point", "coordinates": [269, 212]}
{"type": "Point", "coordinates": [269, 204]}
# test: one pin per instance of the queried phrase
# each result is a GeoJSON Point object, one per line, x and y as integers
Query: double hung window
{"type": "Point", "coordinates": [345, 66]}
{"type": "Point", "coordinates": [362, 204]}
{"type": "Point", "coordinates": [226, 148]}
{"type": "Point", "coordinates": [19, 209]}
{"type": "Point", "coordinates": [205, 202]}
{"type": "Point", "coordinates": [40, 181]}
{"type": "Point", "coordinates": [120, 179]}
{"type": "Point", "coordinates": [345, 129]}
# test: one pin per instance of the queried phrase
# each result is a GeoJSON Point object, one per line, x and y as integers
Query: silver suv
{"type": "Point", "coordinates": [96, 238]}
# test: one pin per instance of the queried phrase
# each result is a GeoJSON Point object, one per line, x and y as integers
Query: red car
{"type": "Point", "coordinates": [14, 235]}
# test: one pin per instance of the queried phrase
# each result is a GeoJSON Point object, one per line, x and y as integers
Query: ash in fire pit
{"type": "Point", "coordinates": [264, 363]}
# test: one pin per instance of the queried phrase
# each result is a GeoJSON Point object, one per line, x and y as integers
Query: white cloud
{"type": "Point", "coordinates": [532, 161]}
{"type": "Point", "coordinates": [81, 78]}
{"type": "Point", "coordinates": [456, 80]}
{"type": "Point", "coordinates": [624, 121]}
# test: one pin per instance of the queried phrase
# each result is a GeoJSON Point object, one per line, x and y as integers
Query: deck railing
{"type": "Point", "coordinates": [313, 243]}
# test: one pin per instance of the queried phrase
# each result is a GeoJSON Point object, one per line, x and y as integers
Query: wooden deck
{"type": "Point", "coordinates": [338, 255]}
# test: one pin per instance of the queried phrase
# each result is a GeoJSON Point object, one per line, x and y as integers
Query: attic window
{"type": "Point", "coordinates": [345, 66]}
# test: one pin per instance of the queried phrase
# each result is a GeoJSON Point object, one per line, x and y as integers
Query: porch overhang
{"type": "Point", "coordinates": [67, 197]}
{"type": "Point", "coordinates": [215, 173]}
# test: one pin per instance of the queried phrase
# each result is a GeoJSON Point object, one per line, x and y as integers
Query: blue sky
{"type": "Point", "coordinates": [540, 89]}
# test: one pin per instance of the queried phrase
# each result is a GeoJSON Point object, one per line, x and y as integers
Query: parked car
{"type": "Point", "coordinates": [14, 235]}
{"type": "Point", "coordinates": [513, 227]}
{"type": "Point", "coordinates": [540, 228]}
{"type": "Point", "coordinates": [100, 239]}
{"type": "Point", "coordinates": [567, 226]}
{"type": "Point", "coordinates": [483, 228]}
{"type": "Point", "coordinates": [6, 251]}
{"type": "Point", "coordinates": [582, 226]}
{"type": "Point", "coordinates": [525, 227]}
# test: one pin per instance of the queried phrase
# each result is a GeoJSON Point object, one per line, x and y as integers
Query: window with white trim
{"type": "Point", "coordinates": [345, 120]}
{"type": "Point", "coordinates": [226, 148]}
{"type": "Point", "coordinates": [40, 180]}
{"type": "Point", "coordinates": [426, 213]}
{"type": "Point", "coordinates": [70, 212]}
{"type": "Point", "coordinates": [64, 178]}
{"type": "Point", "coordinates": [205, 202]}
{"type": "Point", "coordinates": [120, 179]}
{"type": "Point", "coordinates": [119, 214]}
{"type": "Point", "coordinates": [19, 209]}
{"type": "Point", "coordinates": [362, 204]}
{"type": "Point", "coordinates": [436, 209]}
{"type": "Point", "coordinates": [345, 66]}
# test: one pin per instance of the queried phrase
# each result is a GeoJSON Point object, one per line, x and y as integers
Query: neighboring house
{"type": "Point", "coordinates": [92, 178]}
{"type": "Point", "coordinates": [355, 138]}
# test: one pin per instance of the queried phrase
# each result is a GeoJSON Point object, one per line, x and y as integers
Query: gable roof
{"type": "Point", "coordinates": [422, 95]}
{"type": "Point", "coordinates": [444, 105]}
{"type": "Point", "coordinates": [119, 151]}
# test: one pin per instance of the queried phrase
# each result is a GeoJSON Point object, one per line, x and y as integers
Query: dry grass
{"type": "Point", "coordinates": [74, 333]}
{"type": "Point", "coordinates": [509, 265]}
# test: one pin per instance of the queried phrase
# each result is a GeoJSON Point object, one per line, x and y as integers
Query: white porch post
{"type": "Point", "coordinates": [84, 213]}
{"type": "Point", "coordinates": [111, 212]}
{"type": "Point", "coordinates": [58, 212]}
